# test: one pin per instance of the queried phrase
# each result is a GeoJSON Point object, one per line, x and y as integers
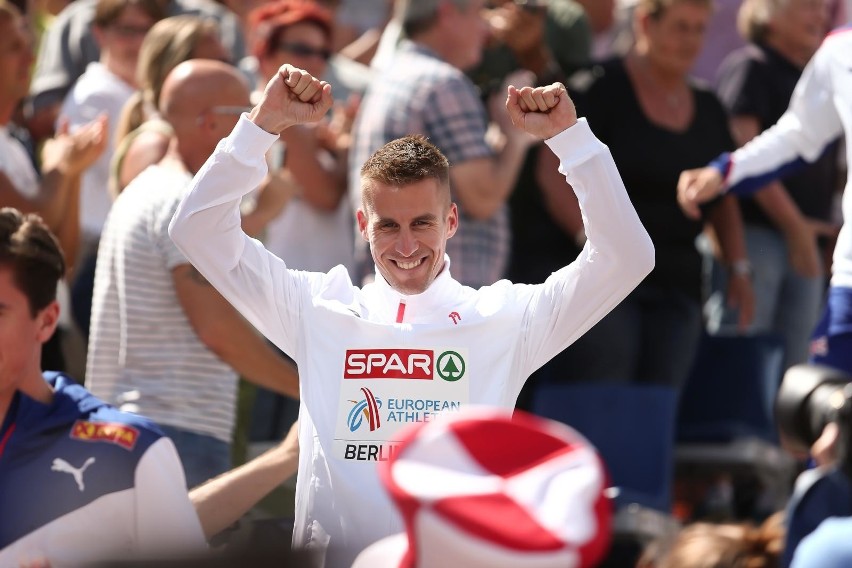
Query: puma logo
{"type": "Point", "coordinates": [60, 464]}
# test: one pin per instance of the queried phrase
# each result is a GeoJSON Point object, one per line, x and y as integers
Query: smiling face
{"type": "Point", "coordinates": [407, 228]}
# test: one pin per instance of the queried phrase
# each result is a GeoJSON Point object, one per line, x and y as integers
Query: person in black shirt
{"type": "Point", "coordinates": [656, 123]}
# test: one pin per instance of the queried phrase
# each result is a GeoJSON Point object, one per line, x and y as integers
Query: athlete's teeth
{"type": "Point", "coordinates": [409, 265]}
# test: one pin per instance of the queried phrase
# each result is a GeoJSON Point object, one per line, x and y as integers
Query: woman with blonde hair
{"type": "Point", "coordinates": [143, 136]}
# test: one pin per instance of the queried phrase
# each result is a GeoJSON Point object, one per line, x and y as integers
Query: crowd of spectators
{"type": "Point", "coordinates": [109, 107]}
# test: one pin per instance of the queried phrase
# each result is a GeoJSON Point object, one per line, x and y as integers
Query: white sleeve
{"type": "Point", "coordinates": [206, 228]}
{"type": "Point", "coordinates": [166, 521]}
{"type": "Point", "coordinates": [810, 123]}
{"type": "Point", "coordinates": [616, 257]}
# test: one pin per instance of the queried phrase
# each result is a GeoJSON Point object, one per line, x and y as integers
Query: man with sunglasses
{"type": "Point", "coordinates": [163, 342]}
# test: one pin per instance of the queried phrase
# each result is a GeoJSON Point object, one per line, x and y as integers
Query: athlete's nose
{"type": "Point", "coordinates": [406, 243]}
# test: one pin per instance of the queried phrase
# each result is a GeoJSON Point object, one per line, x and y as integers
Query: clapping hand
{"type": "Point", "coordinates": [73, 153]}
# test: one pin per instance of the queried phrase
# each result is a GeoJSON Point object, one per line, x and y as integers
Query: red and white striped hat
{"type": "Point", "coordinates": [483, 488]}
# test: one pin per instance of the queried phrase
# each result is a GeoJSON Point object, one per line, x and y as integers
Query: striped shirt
{"type": "Point", "coordinates": [421, 94]}
{"type": "Point", "coordinates": [144, 356]}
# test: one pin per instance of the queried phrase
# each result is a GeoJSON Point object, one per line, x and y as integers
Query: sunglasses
{"type": "Point", "coordinates": [304, 50]}
{"type": "Point", "coordinates": [227, 109]}
{"type": "Point", "coordinates": [222, 109]}
{"type": "Point", "coordinates": [129, 31]}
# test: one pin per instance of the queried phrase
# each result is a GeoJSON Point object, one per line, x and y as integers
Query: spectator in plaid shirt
{"type": "Point", "coordinates": [424, 91]}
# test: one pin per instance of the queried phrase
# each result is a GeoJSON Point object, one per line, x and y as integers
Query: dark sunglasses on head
{"type": "Point", "coordinates": [303, 50]}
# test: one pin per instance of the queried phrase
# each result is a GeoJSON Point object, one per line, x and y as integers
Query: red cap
{"type": "Point", "coordinates": [267, 20]}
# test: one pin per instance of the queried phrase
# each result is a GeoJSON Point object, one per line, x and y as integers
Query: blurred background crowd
{"type": "Point", "coordinates": [676, 386]}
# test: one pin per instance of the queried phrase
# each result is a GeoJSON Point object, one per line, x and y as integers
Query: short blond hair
{"type": "Point", "coordinates": [405, 161]}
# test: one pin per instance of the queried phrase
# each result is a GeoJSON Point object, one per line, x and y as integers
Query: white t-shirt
{"type": "Point", "coordinates": [98, 91]}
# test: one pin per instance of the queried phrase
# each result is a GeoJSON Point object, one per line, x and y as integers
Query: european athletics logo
{"type": "Point", "coordinates": [368, 407]}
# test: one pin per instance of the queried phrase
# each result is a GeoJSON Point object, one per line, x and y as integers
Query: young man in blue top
{"type": "Point", "coordinates": [79, 480]}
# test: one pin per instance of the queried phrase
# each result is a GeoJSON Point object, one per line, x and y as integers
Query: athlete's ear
{"type": "Point", "coordinates": [452, 220]}
{"type": "Point", "coordinates": [47, 319]}
{"type": "Point", "coordinates": [362, 223]}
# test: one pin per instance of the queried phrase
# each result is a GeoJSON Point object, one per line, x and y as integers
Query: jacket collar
{"type": "Point", "coordinates": [70, 400]}
{"type": "Point", "coordinates": [419, 308]}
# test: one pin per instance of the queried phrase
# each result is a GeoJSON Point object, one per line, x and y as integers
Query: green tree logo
{"type": "Point", "coordinates": [450, 366]}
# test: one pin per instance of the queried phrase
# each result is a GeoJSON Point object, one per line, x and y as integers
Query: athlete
{"type": "Point", "coordinates": [79, 480]}
{"type": "Point", "coordinates": [414, 343]}
{"type": "Point", "coordinates": [819, 112]}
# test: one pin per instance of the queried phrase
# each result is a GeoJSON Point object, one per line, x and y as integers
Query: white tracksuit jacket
{"type": "Point", "coordinates": [363, 375]}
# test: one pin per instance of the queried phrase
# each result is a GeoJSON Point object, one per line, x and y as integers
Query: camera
{"type": "Point", "coordinates": [809, 398]}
